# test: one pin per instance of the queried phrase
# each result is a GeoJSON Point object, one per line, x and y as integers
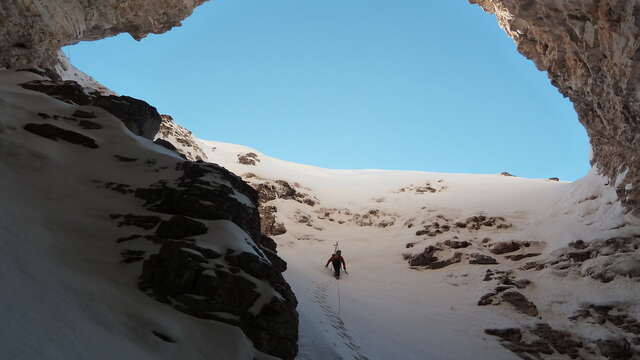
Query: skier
{"type": "Point", "coordinates": [336, 260]}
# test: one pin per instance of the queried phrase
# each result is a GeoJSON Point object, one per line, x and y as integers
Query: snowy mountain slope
{"type": "Point", "coordinates": [386, 220]}
{"type": "Point", "coordinates": [77, 237]}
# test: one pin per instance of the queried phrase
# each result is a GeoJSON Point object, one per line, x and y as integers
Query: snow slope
{"type": "Point", "coordinates": [384, 309]}
{"type": "Point", "coordinates": [66, 292]}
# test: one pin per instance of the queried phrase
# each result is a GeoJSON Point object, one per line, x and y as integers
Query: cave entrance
{"type": "Point", "coordinates": [431, 86]}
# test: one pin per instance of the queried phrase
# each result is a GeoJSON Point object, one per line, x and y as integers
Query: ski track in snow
{"type": "Point", "coordinates": [320, 297]}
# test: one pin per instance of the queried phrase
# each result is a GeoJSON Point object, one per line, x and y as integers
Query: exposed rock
{"type": "Point", "coordinates": [268, 243]}
{"type": "Point", "coordinates": [604, 260]}
{"type": "Point", "coordinates": [425, 258]}
{"type": "Point", "coordinates": [454, 259]}
{"type": "Point", "coordinates": [519, 257]}
{"type": "Point", "coordinates": [138, 116]}
{"type": "Point", "coordinates": [200, 194]}
{"type": "Point", "coordinates": [455, 244]}
{"type": "Point", "coordinates": [481, 259]}
{"type": "Point", "coordinates": [54, 133]}
{"type": "Point", "coordinates": [520, 303]}
{"type": "Point", "coordinates": [504, 247]}
{"type": "Point", "coordinates": [84, 114]}
{"type": "Point", "coordinates": [185, 275]}
{"type": "Point", "coordinates": [68, 91]}
{"type": "Point", "coordinates": [540, 340]}
{"type": "Point", "coordinates": [248, 159]}
{"type": "Point", "coordinates": [176, 138]}
{"type": "Point", "coordinates": [180, 227]}
{"type": "Point", "coordinates": [590, 51]}
{"type": "Point", "coordinates": [504, 173]}
{"type": "Point", "coordinates": [268, 223]}
{"type": "Point", "coordinates": [169, 146]}
{"type": "Point", "coordinates": [31, 35]}
{"type": "Point", "coordinates": [554, 179]}
{"type": "Point", "coordinates": [428, 259]}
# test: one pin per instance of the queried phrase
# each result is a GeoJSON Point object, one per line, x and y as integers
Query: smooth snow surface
{"type": "Point", "coordinates": [385, 310]}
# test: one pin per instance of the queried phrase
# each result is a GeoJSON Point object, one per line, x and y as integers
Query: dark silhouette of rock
{"type": "Point", "coordinates": [199, 194]}
{"type": "Point", "coordinates": [563, 342]}
{"type": "Point", "coordinates": [169, 146]}
{"type": "Point", "coordinates": [554, 179]}
{"type": "Point", "coordinates": [520, 303]}
{"type": "Point", "coordinates": [504, 173]}
{"type": "Point", "coordinates": [481, 259]}
{"type": "Point", "coordinates": [504, 247]}
{"type": "Point", "coordinates": [519, 257]}
{"type": "Point", "coordinates": [425, 258]}
{"type": "Point", "coordinates": [456, 244]}
{"type": "Point", "coordinates": [180, 227]}
{"type": "Point", "coordinates": [428, 259]}
{"type": "Point", "coordinates": [84, 114]}
{"type": "Point", "coordinates": [124, 158]}
{"type": "Point", "coordinates": [68, 91]}
{"type": "Point", "coordinates": [55, 133]}
{"type": "Point", "coordinates": [182, 274]}
{"type": "Point", "coordinates": [268, 243]}
{"type": "Point", "coordinates": [138, 116]}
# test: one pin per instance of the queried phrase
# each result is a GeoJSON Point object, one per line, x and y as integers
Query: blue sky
{"type": "Point", "coordinates": [410, 85]}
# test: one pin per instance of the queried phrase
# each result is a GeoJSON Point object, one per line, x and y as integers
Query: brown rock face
{"type": "Point", "coordinates": [32, 32]}
{"type": "Point", "coordinates": [590, 49]}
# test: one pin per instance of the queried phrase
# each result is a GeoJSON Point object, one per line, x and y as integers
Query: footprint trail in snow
{"type": "Point", "coordinates": [320, 296]}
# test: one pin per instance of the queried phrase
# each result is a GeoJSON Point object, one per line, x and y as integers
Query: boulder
{"type": "Point", "coordinates": [504, 247]}
{"type": "Point", "coordinates": [481, 259]}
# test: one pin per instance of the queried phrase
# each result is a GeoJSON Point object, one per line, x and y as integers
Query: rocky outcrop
{"type": "Point", "coordinates": [603, 260]}
{"type": "Point", "coordinates": [591, 52]}
{"type": "Point", "coordinates": [239, 282]}
{"type": "Point", "coordinates": [201, 282]}
{"type": "Point", "coordinates": [31, 32]}
{"type": "Point", "coordinates": [180, 139]}
{"type": "Point", "coordinates": [138, 116]}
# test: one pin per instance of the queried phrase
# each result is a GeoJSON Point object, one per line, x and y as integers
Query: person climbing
{"type": "Point", "coordinates": [336, 260]}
